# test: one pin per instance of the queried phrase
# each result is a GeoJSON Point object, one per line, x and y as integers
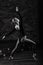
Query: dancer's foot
{"type": "Point", "coordinates": [34, 56]}
{"type": "Point", "coordinates": [11, 58]}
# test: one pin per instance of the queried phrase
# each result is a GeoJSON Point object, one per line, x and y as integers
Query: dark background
{"type": "Point", "coordinates": [28, 9]}
{"type": "Point", "coordinates": [29, 12]}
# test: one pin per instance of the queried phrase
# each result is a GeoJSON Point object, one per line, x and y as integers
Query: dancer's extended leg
{"type": "Point", "coordinates": [14, 49]}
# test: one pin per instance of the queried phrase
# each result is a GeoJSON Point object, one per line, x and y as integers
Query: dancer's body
{"type": "Point", "coordinates": [22, 37]}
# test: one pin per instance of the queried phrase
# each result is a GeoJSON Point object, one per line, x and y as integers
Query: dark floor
{"type": "Point", "coordinates": [24, 58]}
